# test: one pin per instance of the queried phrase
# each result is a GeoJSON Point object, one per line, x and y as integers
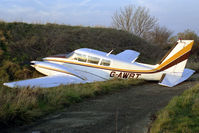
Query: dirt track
{"type": "Point", "coordinates": [125, 111]}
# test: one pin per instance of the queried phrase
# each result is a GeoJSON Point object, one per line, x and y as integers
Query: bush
{"type": "Point", "coordinates": [12, 71]}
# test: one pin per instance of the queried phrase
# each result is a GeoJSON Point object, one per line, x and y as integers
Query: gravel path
{"type": "Point", "coordinates": [125, 111]}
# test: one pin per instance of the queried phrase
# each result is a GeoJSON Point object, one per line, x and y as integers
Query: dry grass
{"type": "Point", "coordinates": [20, 106]}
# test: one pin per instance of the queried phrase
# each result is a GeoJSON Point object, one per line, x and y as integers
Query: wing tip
{"type": "Point", "coordinates": [11, 85]}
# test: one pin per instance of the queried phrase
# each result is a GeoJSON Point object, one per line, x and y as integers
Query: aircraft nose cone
{"type": "Point", "coordinates": [32, 63]}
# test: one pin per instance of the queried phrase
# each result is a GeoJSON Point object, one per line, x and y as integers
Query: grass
{"type": "Point", "coordinates": [21, 106]}
{"type": "Point", "coordinates": [181, 115]}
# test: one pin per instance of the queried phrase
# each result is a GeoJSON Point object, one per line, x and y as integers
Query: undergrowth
{"type": "Point", "coordinates": [181, 115]}
{"type": "Point", "coordinates": [21, 106]}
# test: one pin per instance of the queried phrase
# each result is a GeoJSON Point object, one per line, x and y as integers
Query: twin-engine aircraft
{"type": "Point", "coordinates": [87, 65]}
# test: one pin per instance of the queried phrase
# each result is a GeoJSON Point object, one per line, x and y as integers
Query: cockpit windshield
{"type": "Point", "coordinates": [80, 57]}
{"type": "Point", "coordinates": [69, 55]}
{"type": "Point", "coordinates": [77, 56]}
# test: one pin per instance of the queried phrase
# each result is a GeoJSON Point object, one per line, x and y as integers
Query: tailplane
{"type": "Point", "coordinates": [171, 79]}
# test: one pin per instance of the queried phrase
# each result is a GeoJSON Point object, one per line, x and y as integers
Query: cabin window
{"type": "Point", "coordinates": [80, 57]}
{"type": "Point", "coordinates": [105, 62]}
{"type": "Point", "coordinates": [93, 60]}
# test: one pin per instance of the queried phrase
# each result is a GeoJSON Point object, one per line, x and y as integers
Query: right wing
{"type": "Point", "coordinates": [128, 55]}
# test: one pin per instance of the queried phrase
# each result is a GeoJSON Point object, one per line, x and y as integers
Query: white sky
{"type": "Point", "coordinates": [176, 15]}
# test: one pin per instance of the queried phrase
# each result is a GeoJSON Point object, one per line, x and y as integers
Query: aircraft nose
{"type": "Point", "coordinates": [32, 63]}
{"type": "Point", "coordinates": [46, 58]}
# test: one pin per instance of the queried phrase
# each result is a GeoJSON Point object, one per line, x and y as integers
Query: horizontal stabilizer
{"type": "Point", "coordinates": [128, 55]}
{"type": "Point", "coordinates": [172, 79]}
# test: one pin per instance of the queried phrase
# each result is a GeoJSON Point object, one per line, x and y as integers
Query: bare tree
{"type": "Point", "coordinates": [124, 19]}
{"type": "Point", "coordinates": [160, 35]}
{"type": "Point", "coordinates": [133, 19]}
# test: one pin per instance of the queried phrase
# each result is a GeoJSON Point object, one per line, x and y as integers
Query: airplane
{"type": "Point", "coordinates": [86, 65]}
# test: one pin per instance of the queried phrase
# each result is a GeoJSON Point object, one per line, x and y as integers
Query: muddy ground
{"type": "Point", "coordinates": [125, 111]}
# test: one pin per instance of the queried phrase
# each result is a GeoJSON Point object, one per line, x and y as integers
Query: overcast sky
{"type": "Point", "coordinates": [176, 15]}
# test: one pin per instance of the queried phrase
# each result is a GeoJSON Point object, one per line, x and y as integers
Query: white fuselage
{"type": "Point", "coordinates": [116, 68]}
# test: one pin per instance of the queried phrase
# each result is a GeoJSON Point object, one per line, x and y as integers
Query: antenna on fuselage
{"type": "Point", "coordinates": [109, 53]}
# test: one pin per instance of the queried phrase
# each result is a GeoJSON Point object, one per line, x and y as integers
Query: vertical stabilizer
{"type": "Point", "coordinates": [177, 57]}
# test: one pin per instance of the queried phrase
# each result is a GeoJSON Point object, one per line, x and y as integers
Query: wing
{"type": "Point", "coordinates": [46, 82]}
{"type": "Point", "coordinates": [128, 55]}
{"type": "Point", "coordinates": [54, 80]}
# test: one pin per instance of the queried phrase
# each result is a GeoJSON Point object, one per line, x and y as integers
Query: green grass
{"type": "Point", "coordinates": [181, 115]}
{"type": "Point", "coordinates": [21, 106]}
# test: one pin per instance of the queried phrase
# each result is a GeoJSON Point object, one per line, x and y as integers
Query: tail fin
{"type": "Point", "coordinates": [177, 57]}
{"type": "Point", "coordinates": [174, 63]}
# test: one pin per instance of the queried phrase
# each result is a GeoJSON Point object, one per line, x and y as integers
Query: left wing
{"type": "Point", "coordinates": [61, 75]}
{"type": "Point", "coordinates": [128, 55]}
{"type": "Point", "coordinates": [46, 82]}
{"type": "Point", "coordinates": [53, 81]}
